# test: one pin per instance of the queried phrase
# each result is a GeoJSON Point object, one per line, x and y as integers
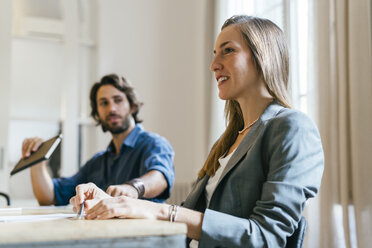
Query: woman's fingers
{"type": "Point", "coordinates": [110, 213]}
{"type": "Point", "coordinates": [122, 206]}
{"type": "Point", "coordinates": [89, 204]}
{"type": "Point", "coordinates": [83, 193]}
{"type": "Point", "coordinates": [98, 209]}
{"type": "Point", "coordinates": [94, 211]}
{"type": "Point", "coordinates": [111, 207]}
{"type": "Point", "coordinates": [111, 190]}
{"type": "Point", "coordinates": [107, 208]}
{"type": "Point", "coordinates": [72, 202]}
{"type": "Point", "coordinates": [88, 193]}
{"type": "Point", "coordinates": [116, 192]}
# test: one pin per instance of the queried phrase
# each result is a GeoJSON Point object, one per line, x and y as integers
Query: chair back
{"type": "Point", "coordinates": [297, 238]}
{"type": "Point", "coordinates": [6, 197]}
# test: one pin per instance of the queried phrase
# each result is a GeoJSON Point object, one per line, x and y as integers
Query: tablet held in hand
{"type": "Point", "coordinates": [44, 152]}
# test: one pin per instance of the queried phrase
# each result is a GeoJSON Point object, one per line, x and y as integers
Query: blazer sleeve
{"type": "Point", "coordinates": [293, 161]}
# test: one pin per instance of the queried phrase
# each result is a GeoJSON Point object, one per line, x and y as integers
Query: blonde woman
{"type": "Point", "coordinates": [252, 189]}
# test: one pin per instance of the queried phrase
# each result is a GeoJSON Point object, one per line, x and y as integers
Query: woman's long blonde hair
{"type": "Point", "coordinates": [268, 46]}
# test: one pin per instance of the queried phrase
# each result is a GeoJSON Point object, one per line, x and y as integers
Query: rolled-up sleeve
{"type": "Point", "coordinates": [159, 156]}
{"type": "Point", "coordinates": [64, 188]}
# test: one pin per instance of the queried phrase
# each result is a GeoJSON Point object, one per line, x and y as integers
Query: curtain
{"type": "Point", "coordinates": [344, 76]}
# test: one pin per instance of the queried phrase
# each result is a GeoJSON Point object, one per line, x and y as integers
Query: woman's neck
{"type": "Point", "coordinates": [252, 107]}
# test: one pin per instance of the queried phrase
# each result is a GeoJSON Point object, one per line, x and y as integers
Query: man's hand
{"type": "Point", "coordinates": [122, 190]}
{"type": "Point", "coordinates": [42, 183]}
{"type": "Point", "coordinates": [30, 145]}
{"type": "Point", "coordinates": [88, 193]}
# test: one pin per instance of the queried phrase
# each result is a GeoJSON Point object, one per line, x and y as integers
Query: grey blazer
{"type": "Point", "coordinates": [262, 191]}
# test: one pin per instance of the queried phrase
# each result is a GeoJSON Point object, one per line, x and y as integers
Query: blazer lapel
{"type": "Point", "coordinates": [272, 110]}
{"type": "Point", "coordinates": [194, 195]}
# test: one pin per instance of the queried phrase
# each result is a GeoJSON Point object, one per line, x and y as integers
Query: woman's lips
{"type": "Point", "coordinates": [222, 80]}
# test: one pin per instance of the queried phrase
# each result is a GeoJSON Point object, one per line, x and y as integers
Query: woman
{"type": "Point", "coordinates": [253, 187]}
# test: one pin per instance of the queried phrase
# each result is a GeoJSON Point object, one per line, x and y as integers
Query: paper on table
{"type": "Point", "coordinates": [47, 210]}
{"type": "Point", "coordinates": [37, 217]}
{"type": "Point", "coordinates": [10, 211]}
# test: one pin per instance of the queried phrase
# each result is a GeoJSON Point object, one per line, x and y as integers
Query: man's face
{"type": "Point", "coordinates": [113, 109]}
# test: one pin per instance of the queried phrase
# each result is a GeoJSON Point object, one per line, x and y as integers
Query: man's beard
{"type": "Point", "coordinates": [119, 129]}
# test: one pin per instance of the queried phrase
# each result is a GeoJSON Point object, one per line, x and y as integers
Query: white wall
{"type": "Point", "coordinates": [36, 79]}
{"type": "Point", "coordinates": [161, 47]}
{"type": "Point", "coordinates": [5, 55]}
{"type": "Point", "coordinates": [35, 101]}
{"type": "Point", "coordinates": [164, 47]}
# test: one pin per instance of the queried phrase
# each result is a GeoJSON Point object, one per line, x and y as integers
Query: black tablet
{"type": "Point", "coordinates": [44, 152]}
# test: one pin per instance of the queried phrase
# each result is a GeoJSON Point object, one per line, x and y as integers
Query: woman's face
{"type": "Point", "coordinates": [233, 66]}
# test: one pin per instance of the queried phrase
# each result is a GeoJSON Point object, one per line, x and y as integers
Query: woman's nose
{"type": "Point", "coordinates": [215, 65]}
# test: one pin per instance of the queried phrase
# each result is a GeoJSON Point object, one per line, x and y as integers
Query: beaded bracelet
{"type": "Point", "coordinates": [173, 213]}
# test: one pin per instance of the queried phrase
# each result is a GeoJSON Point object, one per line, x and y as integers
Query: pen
{"type": "Point", "coordinates": [81, 213]}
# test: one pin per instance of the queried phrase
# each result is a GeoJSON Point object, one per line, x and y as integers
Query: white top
{"type": "Point", "coordinates": [211, 186]}
{"type": "Point", "coordinates": [212, 182]}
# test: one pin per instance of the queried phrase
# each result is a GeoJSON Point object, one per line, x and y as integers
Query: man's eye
{"type": "Point", "coordinates": [118, 100]}
{"type": "Point", "coordinates": [102, 103]}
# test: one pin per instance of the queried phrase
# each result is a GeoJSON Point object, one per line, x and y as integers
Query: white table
{"type": "Point", "coordinates": [92, 233]}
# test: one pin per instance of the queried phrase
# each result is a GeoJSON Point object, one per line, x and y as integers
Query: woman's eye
{"type": "Point", "coordinates": [228, 50]}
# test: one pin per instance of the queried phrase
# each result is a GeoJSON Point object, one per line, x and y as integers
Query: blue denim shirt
{"type": "Point", "coordinates": [140, 153]}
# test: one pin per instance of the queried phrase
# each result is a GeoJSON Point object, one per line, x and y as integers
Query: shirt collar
{"type": "Point", "coordinates": [130, 140]}
{"type": "Point", "coordinates": [132, 137]}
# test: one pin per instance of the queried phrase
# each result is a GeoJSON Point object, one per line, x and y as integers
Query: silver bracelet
{"type": "Point", "coordinates": [173, 213]}
{"type": "Point", "coordinates": [138, 185]}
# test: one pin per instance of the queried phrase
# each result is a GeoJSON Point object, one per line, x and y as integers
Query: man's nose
{"type": "Point", "coordinates": [112, 107]}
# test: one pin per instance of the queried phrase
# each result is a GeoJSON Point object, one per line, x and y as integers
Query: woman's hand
{"type": "Point", "coordinates": [89, 193]}
{"type": "Point", "coordinates": [127, 207]}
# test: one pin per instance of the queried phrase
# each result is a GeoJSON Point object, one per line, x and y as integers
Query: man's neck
{"type": "Point", "coordinates": [119, 138]}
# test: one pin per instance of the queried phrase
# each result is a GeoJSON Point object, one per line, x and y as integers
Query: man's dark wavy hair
{"type": "Point", "coordinates": [121, 84]}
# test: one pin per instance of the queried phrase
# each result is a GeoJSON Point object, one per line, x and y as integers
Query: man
{"type": "Point", "coordinates": [136, 163]}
